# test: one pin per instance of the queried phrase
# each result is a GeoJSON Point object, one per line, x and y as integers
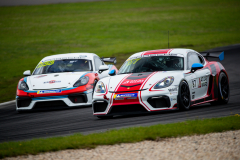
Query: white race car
{"type": "Point", "coordinates": [157, 80]}
{"type": "Point", "coordinates": [62, 81]}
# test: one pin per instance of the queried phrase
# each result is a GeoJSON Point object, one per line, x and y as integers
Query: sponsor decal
{"type": "Point", "coordinates": [49, 91]}
{"type": "Point", "coordinates": [173, 91]}
{"type": "Point", "coordinates": [193, 95]}
{"type": "Point", "coordinates": [173, 99]}
{"type": "Point", "coordinates": [204, 81]}
{"type": "Point", "coordinates": [40, 76]}
{"type": "Point", "coordinates": [134, 81]}
{"type": "Point", "coordinates": [52, 81]}
{"type": "Point", "coordinates": [127, 95]}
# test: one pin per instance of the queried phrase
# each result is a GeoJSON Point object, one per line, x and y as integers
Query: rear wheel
{"type": "Point", "coordinates": [223, 89]}
{"type": "Point", "coordinates": [184, 96]}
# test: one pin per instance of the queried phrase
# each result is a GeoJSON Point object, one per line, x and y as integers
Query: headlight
{"type": "Point", "coordinates": [82, 81]}
{"type": "Point", "coordinates": [100, 88]}
{"type": "Point", "coordinates": [22, 85]}
{"type": "Point", "coordinates": [164, 83]}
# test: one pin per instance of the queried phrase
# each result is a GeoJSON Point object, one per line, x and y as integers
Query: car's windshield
{"type": "Point", "coordinates": [63, 65]}
{"type": "Point", "coordinates": [152, 63]}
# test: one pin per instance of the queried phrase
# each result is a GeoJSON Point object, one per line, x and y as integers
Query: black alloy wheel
{"type": "Point", "coordinates": [184, 99]}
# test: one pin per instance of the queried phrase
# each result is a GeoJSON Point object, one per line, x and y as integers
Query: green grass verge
{"type": "Point", "coordinates": [118, 28]}
{"type": "Point", "coordinates": [126, 135]}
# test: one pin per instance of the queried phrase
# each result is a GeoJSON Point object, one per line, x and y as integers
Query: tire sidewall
{"type": "Point", "coordinates": [221, 75]}
{"type": "Point", "coordinates": [180, 101]}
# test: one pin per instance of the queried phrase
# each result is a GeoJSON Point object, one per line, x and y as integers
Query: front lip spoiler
{"type": "Point", "coordinates": [128, 91]}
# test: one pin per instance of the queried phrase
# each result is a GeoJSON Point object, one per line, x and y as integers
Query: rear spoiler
{"type": "Point", "coordinates": [219, 55]}
{"type": "Point", "coordinates": [110, 59]}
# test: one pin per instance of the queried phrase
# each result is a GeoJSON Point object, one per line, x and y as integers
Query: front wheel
{"type": "Point", "coordinates": [184, 99]}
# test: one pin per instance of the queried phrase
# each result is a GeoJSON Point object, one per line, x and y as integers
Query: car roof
{"type": "Point", "coordinates": [181, 51]}
{"type": "Point", "coordinates": [70, 56]}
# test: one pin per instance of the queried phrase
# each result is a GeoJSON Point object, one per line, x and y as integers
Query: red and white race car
{"type": "Point", "coordinates": [157, 80]}
{"type": "Point", "coordinates": [62, 81]}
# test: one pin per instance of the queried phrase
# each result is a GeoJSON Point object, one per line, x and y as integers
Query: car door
{"type": "Point", "coordinates": [199, 80]}
{"type": "Point", "coordinates": [98, 62]}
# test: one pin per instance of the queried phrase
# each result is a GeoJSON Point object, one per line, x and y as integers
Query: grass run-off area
{"type": "Point", "coordinates": [126, 135]}
{"type": "Point", "coordinates": [109, 28]}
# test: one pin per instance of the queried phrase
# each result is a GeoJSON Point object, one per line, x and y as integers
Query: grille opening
{"type": "Point", "coordinates": [78, 98]}
{"type": "Point", "coordinates": [134, 108]}
{"type": "Point", "coordinates": [161, 102]}
{"type": "Point", "coordinates": [50, 105]}
{"type": "Point", "coordinates": [99, 106]}
{"type": "Point", "coordinates": [23, 102]}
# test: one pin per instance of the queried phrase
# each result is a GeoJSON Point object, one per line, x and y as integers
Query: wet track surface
{"type": "Point", "coordinates": [15, 126]}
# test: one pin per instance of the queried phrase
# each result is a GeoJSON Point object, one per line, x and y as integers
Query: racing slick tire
{"type": "Point", "coordinates": [223, 90]}
{"type": "Point", "coordinates": [184, 100]}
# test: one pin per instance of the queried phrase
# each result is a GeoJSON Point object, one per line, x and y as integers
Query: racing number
{"type": "Point", "coordinates": [194, 83]}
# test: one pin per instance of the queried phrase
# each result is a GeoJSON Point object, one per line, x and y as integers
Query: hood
{"type": "Point", "coordinates": [53, 81]}
{"type": "Point", "coordinates": [139, 81]}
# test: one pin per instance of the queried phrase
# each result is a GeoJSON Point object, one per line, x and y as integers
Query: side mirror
{"type": "Point", "coordinates": [196, 66]}
{"type": "Point", "coordinates": [112, 72]}
{"type": "Point", "coordinates": [27, 73]}
{"type": "Point", "coordinates": [102, 68]}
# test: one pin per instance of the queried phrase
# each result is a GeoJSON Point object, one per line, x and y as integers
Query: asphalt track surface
{"type": "Point", "coordinates": [15, 126]}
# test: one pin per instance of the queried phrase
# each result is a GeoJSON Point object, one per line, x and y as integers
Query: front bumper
{"type": "Point", "coordinates": [146, 101]}
{"type": "Point", "coordinates": [53, 102]}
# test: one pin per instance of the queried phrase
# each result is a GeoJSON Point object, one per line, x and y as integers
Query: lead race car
{"type": "Point", "coordinates": [62, 81]}
{"type": "Point", "coordinates": [157, 80]}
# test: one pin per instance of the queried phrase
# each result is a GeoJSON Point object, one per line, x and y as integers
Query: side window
{"type": "Point", "coordinates": [98, 63]}
{"type": "Point", "coordinates": [201, 59]}
{"type": "Point", "coordinates": [192, 58]}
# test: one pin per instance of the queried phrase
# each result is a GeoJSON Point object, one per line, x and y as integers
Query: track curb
{"type": "Point", "coordinates": [7, 103]}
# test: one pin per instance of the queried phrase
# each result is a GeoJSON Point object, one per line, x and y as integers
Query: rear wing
{"type": "Point", "coordinates": [219, 55]}
{"type": "Point", "coordinates": [110, 59]}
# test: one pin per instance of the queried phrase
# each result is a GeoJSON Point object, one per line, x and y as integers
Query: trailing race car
{"type": "Point", "coordinates": [62, 81]}
{"type": "Point", "coordinates": [157, 80]}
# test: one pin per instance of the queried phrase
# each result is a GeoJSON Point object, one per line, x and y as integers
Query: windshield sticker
{"type": "Point", "coordinates": [47, 63]}
{"type": "Point", "coordinates": [61, 58]}
{"type": "Point", "coordinates": [49, 91]}
{"type": "Point", "coordinates": [154, 55]}
{"type": "Point", "coordinates": [133, 61]}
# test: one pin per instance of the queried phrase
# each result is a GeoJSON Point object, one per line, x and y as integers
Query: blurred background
{"type": "Point", "coordinates": [108, 28]}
